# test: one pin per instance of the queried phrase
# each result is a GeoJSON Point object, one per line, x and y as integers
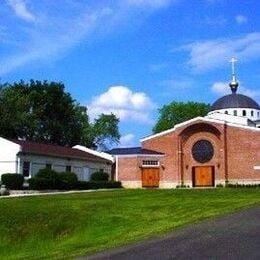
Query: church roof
{"type": "Point", "coordinates": [234, 100]}
{"type": "Point", "coordinates": [133, 150]}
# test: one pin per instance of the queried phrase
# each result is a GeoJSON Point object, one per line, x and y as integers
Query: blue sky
{"type": "Point", "coordinates": [130, 57]}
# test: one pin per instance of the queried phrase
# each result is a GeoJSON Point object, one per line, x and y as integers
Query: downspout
{"type": "Point", "coordinates": [225, 154]}
{"type": "Point", "coordinates": [116, 168]}
{"type": "Point", "coordinates": [180, 163]}
{"type": "Point", "coordinates": [18, 161]}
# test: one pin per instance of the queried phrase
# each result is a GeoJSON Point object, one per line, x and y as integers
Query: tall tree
{"type": "Point", "coordinates": [178, 112]}
{"type": "Point", "coordinates": [42, 111]}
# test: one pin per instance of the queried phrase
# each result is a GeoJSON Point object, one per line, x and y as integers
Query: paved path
{"type": "Point", "coordinates": [236, 236]}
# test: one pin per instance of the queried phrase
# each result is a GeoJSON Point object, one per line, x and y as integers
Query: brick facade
{"type": "Point", "coordinates": [236, 156]}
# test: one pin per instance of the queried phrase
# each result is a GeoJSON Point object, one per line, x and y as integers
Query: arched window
{"type": "Point", "coordinates": [244, 113]}
{"type": "Point", "coordinates": [226, 112]}
{"type": "Point", "coordinates": [252, 113]}
{"type": "Point", "coordinates": [235, 113]}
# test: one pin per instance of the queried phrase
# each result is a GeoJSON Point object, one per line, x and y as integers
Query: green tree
{"type": "Point", "coordinates": [42, 111]}
{"type": "Point", "coordinates": [178, 112]}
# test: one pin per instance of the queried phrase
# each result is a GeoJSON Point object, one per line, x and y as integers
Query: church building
{"type": "Point", "coordinates": [220, 148]}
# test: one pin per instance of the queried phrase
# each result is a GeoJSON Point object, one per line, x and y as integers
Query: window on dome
{"type": "Point", "coordinates": [252, 113]}
{"type": "Point", "coordinates": [235, 113]}
{"type": "Point", "coordinates": [244, 113]}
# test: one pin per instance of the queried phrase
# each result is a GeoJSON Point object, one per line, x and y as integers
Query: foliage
{"type": "Point", "coordinates": [238, 185]}
{"type": "Point", "coordinates": [67, 181]}
{"type": "Point", "coordinates": [42, 111]}
{"type": "Point", "coordinates": [67, 226]}
{"type": "Point", "coordinates": [99, 176]}
{"type": "Point", "coordinates": [45, 179]}
{"type": "Point", "coordinates": [12, 181]}
{"type": "Point", "coordinates": [41, 184]}
{"type": "Point", "coordinates": [178, 112]}
{"type": "Point", "coordinates": [88, 185]}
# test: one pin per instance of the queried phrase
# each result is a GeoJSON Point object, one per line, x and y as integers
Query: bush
{"type": "Point", "coordinates": [67, 181]}
{"type": "Point", "coordinates": [237, 185]}
{"type": "Point", "coordinates": [13, 181]}
{"type": "Point", "coordinates": [45, 179]}
{"type": "Point", "coordinates": [37, 183]}
{"type": "Point", "coordinates": [93, 185]}
{"type": "Point", "coordinates": [83, 185]}
{"type": "Point", "coordinates": [99, 176]}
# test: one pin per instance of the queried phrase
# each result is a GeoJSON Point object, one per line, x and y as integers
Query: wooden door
{"type": "Point", "coordinates": [150, 177]}
{"type": "Point", "coordinates": [203, 176]}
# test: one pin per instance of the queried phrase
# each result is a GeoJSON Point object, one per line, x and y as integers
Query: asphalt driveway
{"type": "Point", "coordinates": [236, 236]}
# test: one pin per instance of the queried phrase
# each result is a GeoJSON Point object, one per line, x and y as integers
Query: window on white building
{"type": "Point", "coordinates": [26, 168]}
{"type": "Point", "coordinates": [244, 113]}
{"type": "Point", "coordinates": [48, 166]}
{"type": "Point", "coordinates": [68, 168]}
{"type": "Point", "coordinates": [235, 113]}
{"type": "Point", "coordinates": [252, 113]}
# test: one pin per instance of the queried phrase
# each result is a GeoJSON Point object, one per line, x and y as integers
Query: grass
{"type": "Point", "coordinates": [65, 226]}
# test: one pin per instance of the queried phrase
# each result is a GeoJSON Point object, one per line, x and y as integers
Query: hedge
{"type": "Point", "coordinates": [13, 181]}
{"type": "Point", "coordinates": [89, 185]}
{"type": "Point", "coordinates": [67, 181]}
{"type": "Point", "coordinates": [47, 179]}
{"type": "Point", "coordinates": [99, 176]}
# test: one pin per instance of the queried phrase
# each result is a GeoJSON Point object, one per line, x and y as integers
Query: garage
{"type": "Point", "coordinates": [203, 176]}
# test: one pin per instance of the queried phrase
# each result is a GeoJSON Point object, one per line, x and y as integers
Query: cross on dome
{"type": "Point", "coordinates": [233, 84]}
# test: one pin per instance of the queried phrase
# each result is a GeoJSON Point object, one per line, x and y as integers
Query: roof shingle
{"type": "Point", "coordinates": [55, 150]}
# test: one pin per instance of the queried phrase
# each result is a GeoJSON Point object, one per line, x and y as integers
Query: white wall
{"type": "Point", "coordinates": [82, 168]}
{"type": "Point", "coordinates": [8, 158]}
{"type": "Point", "coordinates": [239, 111]}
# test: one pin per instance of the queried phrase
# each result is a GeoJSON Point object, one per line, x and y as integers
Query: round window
{"type": "Point", "coordinates": [202, 151]}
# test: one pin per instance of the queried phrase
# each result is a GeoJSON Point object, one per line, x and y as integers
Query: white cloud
{"type": "Point", "coordinates": [177, 84]}
{"type": "Point", "coordinates": [211, 54]}
{"type": "Point", "coordinates": [21, 10]}
{"type": "Point", "coordinates": [127, 140]}
{"type": "Point", "coordinates": [158, 67]}
{"type": "Point", "coordinates": [124, 103]}
{"type": "Point", "coordinates": [148, 3]}
{"type": "Point", "coordinates": [62, 25]}
{"type": "Point", "coordinates": [221, 88]}
{"type": "Point", "coordinates": [241, 19]}
{"type": "Point", "coordinates": [52, 38]}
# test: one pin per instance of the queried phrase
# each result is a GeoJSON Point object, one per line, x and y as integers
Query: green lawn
{"type": "Point", "coordinates": [64, 226]}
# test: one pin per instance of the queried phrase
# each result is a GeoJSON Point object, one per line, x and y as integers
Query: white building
{"type": "Point", "coordinates": [27, 158]}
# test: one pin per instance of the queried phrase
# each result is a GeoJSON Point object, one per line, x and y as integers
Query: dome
{"type": "Point", "coordinates": [234, 101]}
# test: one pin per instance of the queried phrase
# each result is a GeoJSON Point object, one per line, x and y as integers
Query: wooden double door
{"type": "Point", "coordinates": [203, 176]}
{"type": "Point", "coordinates": [150, 177]}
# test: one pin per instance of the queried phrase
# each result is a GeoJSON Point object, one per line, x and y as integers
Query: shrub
{"type": "Point", "coordinates": [99, 176]}
{"type": "Point", "coordinates": [67, 181]}
{"type": "Point", "coordinates": [84, 185]}
{"type": "Point", "coordinates": [37, 183]}
{"type": "Point", "coordinates": [45, 179]}
{"type": "Point", "coordinates": [220, 185]}
{"type": "Point", "coordinates": [182, 186]}
{"type": "Point", "coordinates": [13, 181]}
{"type": "Point", "coordinates": [237, 185]}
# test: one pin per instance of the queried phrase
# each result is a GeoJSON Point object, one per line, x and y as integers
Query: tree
{"type": "Point", "coordinates": [178, 112]}
{"type": "Point", "coordinates": [42, 111]}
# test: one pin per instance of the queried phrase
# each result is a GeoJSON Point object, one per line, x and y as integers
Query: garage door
{"type": "Point", "coordinates": [150, 177]}
{"type": "Point", "coordinates": [203, 176]}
